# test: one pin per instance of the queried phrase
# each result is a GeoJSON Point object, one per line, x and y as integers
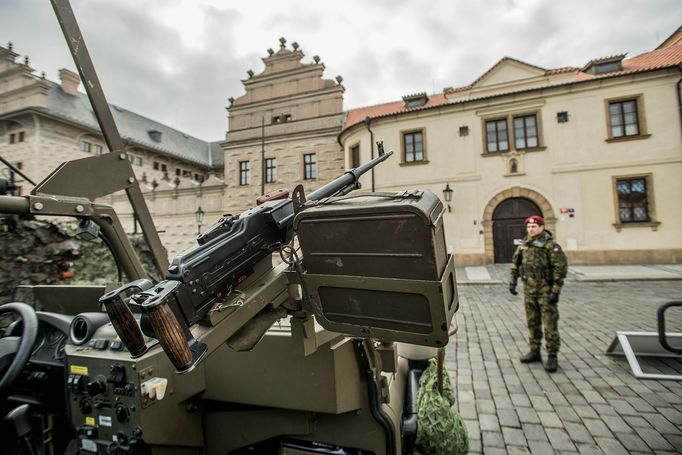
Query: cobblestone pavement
{"type": "Point", "coordinates": [593, 404]}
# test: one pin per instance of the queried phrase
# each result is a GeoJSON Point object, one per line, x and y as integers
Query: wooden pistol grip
{"type": "Point", "coordinates": [126, 327]}
{"type": "Point", "coordinates": [170, 335]}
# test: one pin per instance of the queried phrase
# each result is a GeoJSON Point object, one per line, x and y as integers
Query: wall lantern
{"type": "Point", "coordinates": [199, 216]}
{"type": "Point", "coordinates": [447, 195]}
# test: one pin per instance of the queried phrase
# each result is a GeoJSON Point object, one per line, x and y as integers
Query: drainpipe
{"type": "Point", "coordinates": [679, 95]}
{"type": "Point", "coordinates": [368, 120]}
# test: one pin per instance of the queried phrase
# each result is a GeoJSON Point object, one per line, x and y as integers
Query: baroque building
{"type": "Point", "coordinates": [44, 123]}
{"type": "Point", "coordinates": [283, 130]}
{"type": "Point", "coordinates": [596, 150]}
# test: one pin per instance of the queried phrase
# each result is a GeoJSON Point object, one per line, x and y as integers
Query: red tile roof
{"type": "Point", "coordinates": [657, 59]}
{"type": "Point", "coordinates": [396, 107]}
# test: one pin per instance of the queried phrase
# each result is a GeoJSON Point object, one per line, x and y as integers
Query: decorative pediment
{"type": "Point", "coordinates": [508, 70]}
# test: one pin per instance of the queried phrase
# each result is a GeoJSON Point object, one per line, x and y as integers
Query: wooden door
{"type": "Point", "coordinates": [508, 227]}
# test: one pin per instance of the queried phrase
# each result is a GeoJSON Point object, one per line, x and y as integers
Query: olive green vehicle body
{"type": "Point", "coordinates": [301, 382]}
{"type": "Point", "coordinates": [343, 386]}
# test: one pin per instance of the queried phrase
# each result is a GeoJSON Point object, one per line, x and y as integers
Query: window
{"type": "Point", "coordinates": [633, 200]}
{"type": "Point", "coordinates": [244, 173]}
{"type": "Point", "coordinates": [355, 156]}
{"type": "Point", "coordinates": [137, 161]}
{"type": "Point", "coordinates": [156, 165]}
{"type": "Point", "coordinates": [186, 173]}
{"type": "Point", "coordinates": [497, 136]}
{"type": "Point", "coordinates": [98, 150]}
{"type": "Point", "coordinates": [270, 170]}
{"type": "Point", "coordinates": [624, 118]}
{"type": "Point", "coordinates": [164, 168]}
{"type": "Point", "coordinates": [12, 138]}
{"type": "Point", "coordinates": [178, 172]}
{"type": "Point", "coordinates": [275, 119]}
{"type": "Point", "coordinates": [86, 146]}
{"type": "Point", "coordinates": [287, 117]}
{"type": "Point", "coordinates": [21, 136]}
{"type": "Point", "coordinates": [413, 147]}
{"type": "Point", "coordinates": [309, 166]}
{"type": "Point", "coordinates": [562, 117]}
{"type": "Point", "coordinates": [525, 132]}
{"type": "Point", "coordinates": [463, 131]}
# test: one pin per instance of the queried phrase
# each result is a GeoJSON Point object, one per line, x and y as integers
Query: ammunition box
{"type": "Point", "coordinates": [376, 265]}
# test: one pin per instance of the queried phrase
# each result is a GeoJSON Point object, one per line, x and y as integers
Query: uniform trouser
{"type": "Point", "coordinates": [539, 313]}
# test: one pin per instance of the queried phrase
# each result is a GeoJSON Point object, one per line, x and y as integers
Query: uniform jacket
{"type": "Point", "coordinates": [541, 265]}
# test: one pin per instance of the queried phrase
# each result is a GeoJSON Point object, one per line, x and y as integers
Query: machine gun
{"type": "Point", "coordinates": [204, 275]}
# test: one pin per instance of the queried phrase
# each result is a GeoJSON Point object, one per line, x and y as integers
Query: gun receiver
{"type": "Point", "coordinates": [227, 253]}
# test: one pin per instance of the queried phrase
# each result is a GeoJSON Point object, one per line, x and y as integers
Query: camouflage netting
{"type": "Point", "coordinates": [40, 252]}
{"type": "Point", "coordinates": [440, 429]}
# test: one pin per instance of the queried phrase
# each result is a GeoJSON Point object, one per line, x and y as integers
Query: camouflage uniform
{"type": "Point", "coordinates": [542, 266]}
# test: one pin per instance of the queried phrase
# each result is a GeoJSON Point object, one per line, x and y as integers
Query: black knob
{"type": "Point", "coordinates": [85, 406]}
{"type": "Point", "coordinates": [117, 375]}
{"type": "Point", "coordinates": [99, 385]}
{"type": "Point", "coordinates": [122, 413]}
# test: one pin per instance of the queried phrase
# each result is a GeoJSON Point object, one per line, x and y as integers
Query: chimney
{"type": "Point", "coordinates": [70, 81]}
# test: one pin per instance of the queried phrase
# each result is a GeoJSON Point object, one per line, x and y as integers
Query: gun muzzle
{"type": "Point", "coordinates": [122, 318]}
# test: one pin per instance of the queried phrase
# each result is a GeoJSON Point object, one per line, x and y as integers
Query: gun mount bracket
{"type": "Point", "coordinates": [298, 198]}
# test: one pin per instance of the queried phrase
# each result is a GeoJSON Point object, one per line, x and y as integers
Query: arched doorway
{"type": "Point", "coordinates": [508, 225]}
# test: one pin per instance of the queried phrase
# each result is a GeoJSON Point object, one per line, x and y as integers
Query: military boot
{"type": "Point", "coordinates": [552, 363]}
{"type": "Point", "coordinates": [532, 356]}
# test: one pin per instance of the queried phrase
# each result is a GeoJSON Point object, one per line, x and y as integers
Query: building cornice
{"type": "Point", "coordinates": [37, 87]}
{"type": "Point", "coordinates": [580, 168]}
{"type": "Point", "coordinates": [285, 98]}
{"type": "Point", "coordinates": [308, 134]}
{"type": "Point", "coordinates": [267, 78]}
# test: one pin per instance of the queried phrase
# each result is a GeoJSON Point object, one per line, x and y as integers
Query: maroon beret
{"type": "Point", "coordinates": [536, 219]}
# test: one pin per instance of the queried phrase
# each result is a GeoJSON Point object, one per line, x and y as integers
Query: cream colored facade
{"type": "Point", "coordinates": [574, 167]}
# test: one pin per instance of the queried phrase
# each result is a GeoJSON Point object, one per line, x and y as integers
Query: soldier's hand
{"type": "Point", "coordinates": [512, 289]}
{"type": "Point", "coordinates": [553, 298]}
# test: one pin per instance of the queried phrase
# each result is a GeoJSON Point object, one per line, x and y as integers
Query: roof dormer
{"type": "Point", "coordinates": [415, 100]}
{"type": "Point", "coordinates": [154, 135]}
{"type": "Point", "coordinates": [604, 65]}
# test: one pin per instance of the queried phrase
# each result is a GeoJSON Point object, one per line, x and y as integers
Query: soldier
{"type": "Point", "coordinates": [541, 264]}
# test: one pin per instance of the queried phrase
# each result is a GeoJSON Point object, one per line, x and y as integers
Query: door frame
{"type": "Point", "coordinates": [541, 201]}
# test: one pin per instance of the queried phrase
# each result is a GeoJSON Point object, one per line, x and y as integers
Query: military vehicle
{"type": "Point", "coordinates": [229, 354]}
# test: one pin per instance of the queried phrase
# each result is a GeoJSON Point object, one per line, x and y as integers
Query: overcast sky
{"type": "Point", "coordinates": [178, 61]}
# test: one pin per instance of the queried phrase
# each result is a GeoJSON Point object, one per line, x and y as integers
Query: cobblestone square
{"type": "Point", "coordinates": [593, 403]}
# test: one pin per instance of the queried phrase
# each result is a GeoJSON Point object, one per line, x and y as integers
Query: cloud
{"type": "Point", "coordinates": [178, 61]}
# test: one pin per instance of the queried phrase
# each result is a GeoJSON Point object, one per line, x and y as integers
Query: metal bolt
{"type": "Point", "coordinates": [38, 206]}
{"type": "Point", "coordinates": [121, 156]}
{"type": "Point", "coordinates": [79, 208]}
{"type": "Point", "coordinates": [131, 179]}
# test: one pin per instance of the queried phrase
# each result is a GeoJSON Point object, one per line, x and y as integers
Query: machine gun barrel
{"type": "Point", "coordinates": [348, 181]}
{"type": "Point", "coordinates": [340, 186]}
